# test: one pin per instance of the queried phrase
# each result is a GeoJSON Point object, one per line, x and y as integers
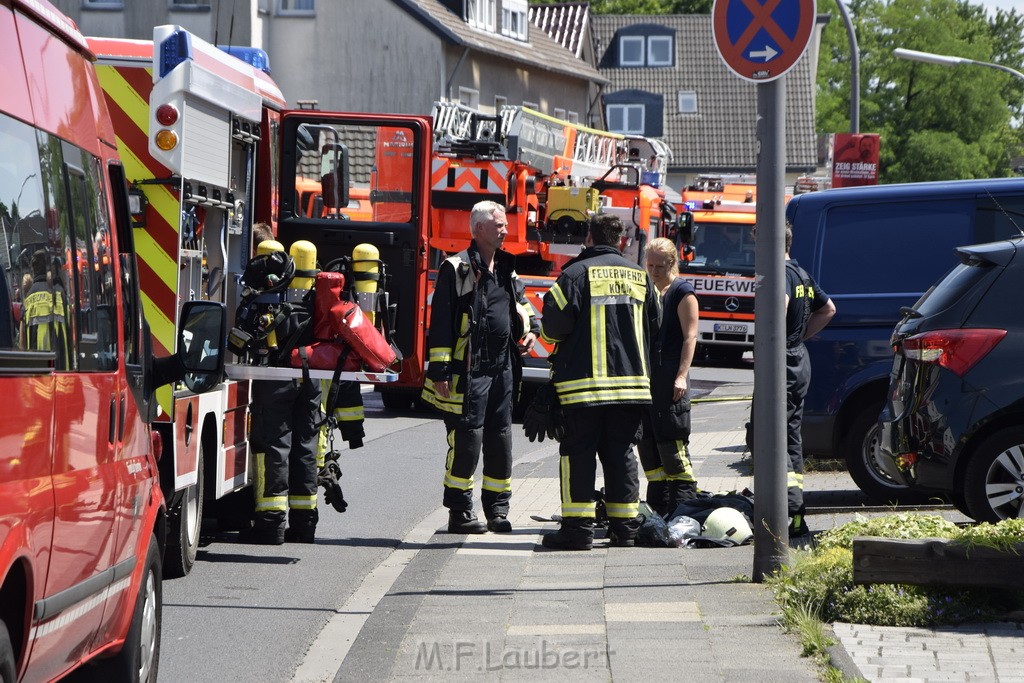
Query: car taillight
{"type": "Point", "coordinates": [956, 350]}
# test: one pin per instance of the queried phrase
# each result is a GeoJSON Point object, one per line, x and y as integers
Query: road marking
{"type": "Point", "coordinates": [330, 648]}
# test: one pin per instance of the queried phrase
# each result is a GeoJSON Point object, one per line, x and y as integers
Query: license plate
{"type": "Point", "coordinates": [730, 328]}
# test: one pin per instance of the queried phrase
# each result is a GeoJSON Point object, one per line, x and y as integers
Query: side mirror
{"type": "Point", "coordinates": [334, 177]}
{"type": "Point", "coordinates": [684, 226]}
{"type": "Point", "coordinates": [201, 344]}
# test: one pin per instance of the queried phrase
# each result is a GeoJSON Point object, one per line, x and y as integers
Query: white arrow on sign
{"type": "Point", "coordinates": [767, 53]}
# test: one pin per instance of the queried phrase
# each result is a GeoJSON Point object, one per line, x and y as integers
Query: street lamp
{"type": "Point", "coordinates": [945, 60]}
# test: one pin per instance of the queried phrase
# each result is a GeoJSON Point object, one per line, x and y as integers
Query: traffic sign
{"type": "Point", "coordinates": [760, 40]}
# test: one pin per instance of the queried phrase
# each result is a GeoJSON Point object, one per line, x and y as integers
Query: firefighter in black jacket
{"type": "Point", "coordinates": [603, 313]}
{"type": "Point", "coordinates": [477, 317]}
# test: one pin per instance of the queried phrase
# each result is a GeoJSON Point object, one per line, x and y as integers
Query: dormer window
{"type": "Point", "coordinates": [642, 46]}
{"type": "Point", "coordinates": [514, 19]}
{"type": "Point", "coordinates": [481, 14]}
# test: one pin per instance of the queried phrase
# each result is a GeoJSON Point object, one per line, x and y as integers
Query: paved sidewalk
{"type": "Point", "coordinates": [502, 607]}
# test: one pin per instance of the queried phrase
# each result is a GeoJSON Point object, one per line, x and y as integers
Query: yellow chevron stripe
{"type": "Point", "coordinates": [133, 104]}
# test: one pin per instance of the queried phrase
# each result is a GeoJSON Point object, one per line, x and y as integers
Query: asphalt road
{"type": "Point", "coordinates": [251, 612]}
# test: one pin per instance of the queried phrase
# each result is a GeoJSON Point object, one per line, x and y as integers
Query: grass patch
{"type": "Point", "coordinates": [823, 577]}
{"type": "Point", "coordinates": [817, 587]}
{"type": "Point", "coordinates": [824, 465]}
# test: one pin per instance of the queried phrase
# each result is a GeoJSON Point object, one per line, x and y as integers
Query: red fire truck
{"type": "Point", "coordinates": [82, 516]}
{"type": "Point", "coordinates": [189, 119]}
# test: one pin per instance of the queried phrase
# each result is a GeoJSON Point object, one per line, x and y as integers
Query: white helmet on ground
{"type": "Point", "coordinates": [727, 526]}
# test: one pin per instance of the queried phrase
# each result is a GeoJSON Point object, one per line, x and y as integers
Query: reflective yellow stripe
{"type": "Point", "coordinates": [657, 474]}
{"type": "Point", "coordinates": [452, 404]}
{"type": "Point", "coordinates": [570, 508]}
{"type": "Point", "coordinates": [638, 329]}
{"type": "Point", "coordinates": [497, 485]}
{"type": "Point", "coordinates": [623, 510]}
{"type": "Point", "coordinates": [453, 482]}
{"type": "Point", "coordinates": [302, 502]}
{"type": "Point", "coordinates": [636, 395]}
{"type": "Point", "coordinates": [558, 296]}
{"type": "Point", "coordinates": [350, 414]}
{"type": "Point", "coordinates": [440, 355]}
{"type": "Point", "coordinates": [794, 480]}
{"type": "Point", "coordinates": [598, 350]}
{"type": "Point", "coordinates": [603, 382]}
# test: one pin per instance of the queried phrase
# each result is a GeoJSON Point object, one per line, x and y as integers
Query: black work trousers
{"type": "Point", "coordinates": [284, 440]}
{"type": "Point", "coordinates": [484, 426]}
{"type": "Point", "coordinates": [798, 379]}
{"type": "Point", "coordinates": [608, 432]}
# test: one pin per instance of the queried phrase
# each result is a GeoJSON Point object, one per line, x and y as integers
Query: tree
{"type": "Point", "coordinates": [935, 122]}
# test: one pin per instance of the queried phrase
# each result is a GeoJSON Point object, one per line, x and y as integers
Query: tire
{"type": "Point", "coordinates": [139, 658]}
{"type": "Point", "coordinates": [8, 666]}
{"type": "Point", "coordinates": [397, 400]}
{"type": "Point", "coordinates": [861, 452]}
{"type": "Point", "coordinates": [993, 483]}
{"type": "Point", "coordinates": [185, 529]}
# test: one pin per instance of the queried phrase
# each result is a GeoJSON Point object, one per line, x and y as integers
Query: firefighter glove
{"type": "Point", "coordinates": [542, 418]}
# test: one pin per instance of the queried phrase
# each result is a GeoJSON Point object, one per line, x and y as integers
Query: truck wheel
{"type": "Point", "coordinates": [993, 483]}
{"type": "Point", "coordinates": [139, 658]}
{"type": "Point", "coordinates": [185, 527]}
{"type": "Point", "coordinates": [861, 451]}
{"type": "Point", "coordinates": [7, 664]}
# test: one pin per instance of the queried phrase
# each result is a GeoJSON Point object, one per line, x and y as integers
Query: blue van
{"type": "Point", "coordinates": [874, 250]}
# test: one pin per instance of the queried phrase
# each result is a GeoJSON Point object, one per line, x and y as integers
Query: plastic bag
{"type": "Point", "coordinates": [681, 529]}
{"type": "Point", "coordinates": [654, 530]}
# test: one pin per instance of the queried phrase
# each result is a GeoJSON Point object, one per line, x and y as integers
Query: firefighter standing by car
{"type": "Point", "coordinates": [603, 313]}
{"type": "Point", "coordinates": [285, 430]}
{"type": "Point", "coordinates": [474, 369]}
{"type": "Point", "coordinates": [808, 311]}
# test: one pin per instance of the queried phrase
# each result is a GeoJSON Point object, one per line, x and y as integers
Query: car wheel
{"type": "Point", "coordinates": [861, 451]}
{"type": "Point", "coordinates": [185, 528]}
{"type": "Point", "coordinates": [139, 658]}
{"type": "Point", "coordinates": [7, 663]}
{"type": "Point", "coordinates": [994, 479]}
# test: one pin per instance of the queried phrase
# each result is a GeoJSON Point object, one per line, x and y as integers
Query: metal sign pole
{"type": "Point", "coordinates": [771, 522]}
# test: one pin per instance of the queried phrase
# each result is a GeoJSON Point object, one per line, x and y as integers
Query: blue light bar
{"type": "Point", "coordinates": [253, 56]}
{"type": "Point", "coordinates": [175, 49]}
{"type": "Point", "coordinates": [690, 205]}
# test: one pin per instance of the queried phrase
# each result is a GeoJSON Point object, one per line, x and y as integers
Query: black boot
{"type": "Point", "coordinates": [464, 522]}
{"type": "Point", "coordinates": [657, 497]}
{"type": "Point", "coordinates": [260, 534]}
{"type": "Point", "coordinates": [622, 532]}
{"type": "Point", "coordinates": [574, 534]}
{"type": "Point", "coordinates": [499, 524]}
{"type": "Point", "coordinates": [679, 492]}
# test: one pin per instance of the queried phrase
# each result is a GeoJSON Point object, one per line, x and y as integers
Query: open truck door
{"type": "Point", "coordinates": [386, 158]}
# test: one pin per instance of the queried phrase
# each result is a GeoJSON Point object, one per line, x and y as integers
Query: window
{"type": "Point", "coordinates": [190, 4]}
{"type": "Point", "coordinates": [559, 113]}
{"type": "Point", "coordinates": [102, 4]}
{"type": "Point", "coordinates": [631, 51]}
{"type": "Point", "coordinates": [514, 20]}
{"type": "Point", "coordinates": [499, 102]}
{"type": "Point", "coordinates": [296, 6]}
{"type": "Point", "coordinates": [573, 117]}
{"type": "Point", "coordinates": [531, 105]}
{"type": "Point", "coordinates": [58, 270]}
{"type": "Point", "coordinates": [469, 97]}
{"type": "Point", "coordinates": [627, 119]}
{"type": "Point", "coordinates": [642, 45]}
{"type": "Point", "coordinates": [480, 14]}
{"type": "Point", "coordinates": [659, 51]}
{"type": "Point", "coordinates": [687, 102]}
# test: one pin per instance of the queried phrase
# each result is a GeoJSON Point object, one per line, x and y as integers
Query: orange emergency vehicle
{"type": "Point", "coordinates": [82, 516]}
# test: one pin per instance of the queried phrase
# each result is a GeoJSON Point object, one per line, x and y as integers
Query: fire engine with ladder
{"type": "Point", "coordinates": [552, 176]}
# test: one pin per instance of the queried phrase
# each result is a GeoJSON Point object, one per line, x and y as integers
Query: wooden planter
{"type": "Point", "coordinates": [936, 562]}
